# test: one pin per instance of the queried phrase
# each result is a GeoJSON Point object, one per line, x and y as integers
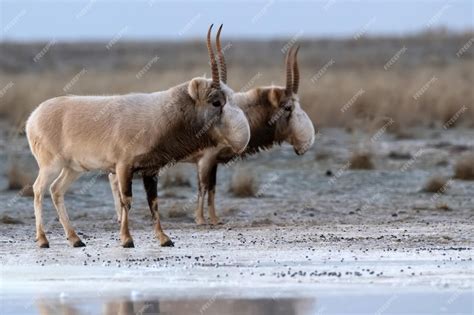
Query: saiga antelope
{"type": "Point", "coordinates": [125, 134]}
{"type": "Point", "coordinates": [275, 116]}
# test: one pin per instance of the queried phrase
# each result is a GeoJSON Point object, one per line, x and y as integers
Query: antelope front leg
{"type": "Point", "coordinates": [150, 183]}
{"type": "Point", "coordinates": [116, 194]}
{"type": "Point", "coordinates": [124, 176]}
{"type": "Point", "coordinates": [204, 170]}
{"type": "Point", "coordinates": [211, 195]}
{"type": "Point", "coordinates": [199, 214]}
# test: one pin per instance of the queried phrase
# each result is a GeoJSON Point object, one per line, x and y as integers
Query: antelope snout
{"type": "Point", "coordinates": [235, 128]}
{"type": "Point", "coordinates": [302, 132]}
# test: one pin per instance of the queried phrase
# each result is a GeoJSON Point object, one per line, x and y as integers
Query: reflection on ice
{"type": "Point", "coordinates": [209, 306]}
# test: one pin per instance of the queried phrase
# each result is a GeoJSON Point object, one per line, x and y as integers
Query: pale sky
{"type": "Point", "coordinates": [74, 20]}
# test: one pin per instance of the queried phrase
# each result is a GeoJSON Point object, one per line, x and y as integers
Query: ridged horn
{"type": "Point", "coordinates": [220, 56]}
{"type": "Point", "coordinates": [212, 57]}
{"type": "Point", "coordinates": [296, 71]}
{"type": "Point", "coordinates": [289, 77]}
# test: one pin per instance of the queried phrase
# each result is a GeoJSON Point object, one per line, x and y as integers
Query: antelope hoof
{"type": "Point", "coordinates": [200, 221]}
{"type": "Point", "coordinates": [42, 241]}
{"type": "Point", "coordinates": [78, 243]}
{"type": "Point", "coordinates": [166, 242]}
{"type": "Point", "coordinates": [215, 221]}
{"type": "Point", "coordinates": [43, 245]}
{"type": "Point", "coordinates": [128, 244]}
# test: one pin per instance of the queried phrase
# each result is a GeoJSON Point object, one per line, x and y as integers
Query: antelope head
{"type": "Point", "coordinates": [291, 122]}
{"type": "Point", "coordinates": [223, 121]}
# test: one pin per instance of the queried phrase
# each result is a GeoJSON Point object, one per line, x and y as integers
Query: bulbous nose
{"type": "Point", "coordinates": [236, 128]}
{"type": "Point", "coordinates": [302, 132]}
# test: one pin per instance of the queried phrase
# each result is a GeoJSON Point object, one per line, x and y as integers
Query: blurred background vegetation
{"type": "Point", "coordinates": [351, 83]}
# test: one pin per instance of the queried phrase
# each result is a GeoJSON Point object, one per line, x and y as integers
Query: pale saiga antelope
{"type": "Point", "coordinates": [125, 134]}
{"type": "Point", "coordinates": [275, 116]}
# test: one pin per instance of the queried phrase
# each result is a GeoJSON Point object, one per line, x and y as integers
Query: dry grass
{"type": "Point", "coordinates": [391, 94]}
{"type": "Point", "coordinates": [175, 178]}
{"type": "Point", "coordinates": [19, 179]}
{"type": "Point", "coordinates": [443, 206]}
{"type": "Point", "coordinates": [464, 167]}
{"type": "Point", "coordinates": [243, 184]}
{"type": "Point", "coordinates": [6, 219]}
{"type": "Point", "coordinates": [436, 184]}
{"type": "Point", "coordinates": [403, 135]}
{"type": "Point", "coordinates": [399, 155]}
{"type": "Point", "coordinates": [359, 66]}
{"type": "Point", "coordinates": [231, 211]}
{"type": "Point", "coordinates": [261, 222]}
{"type": "Point", "coordinates": [387, 94]}
{"type": "Point", "coordinates": [323, 155]}
{"type": "Point", "coordinates": [170, 194]}
{"type": "Point", "coordinates": [177, 212]}
{"type": "Point", "coordinates": [361, 161]}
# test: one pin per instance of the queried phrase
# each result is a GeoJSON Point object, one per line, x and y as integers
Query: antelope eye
{"type": "Point", "coordinates": [216, 103]}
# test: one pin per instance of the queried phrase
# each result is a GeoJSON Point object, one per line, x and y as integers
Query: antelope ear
{"type": "Point", "coordinates": [275, 96]}
{"type": "Point", "coordinates": [197, 89]}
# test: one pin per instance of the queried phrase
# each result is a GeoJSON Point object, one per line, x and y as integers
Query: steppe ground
{"type": "Point", "coordinates": [318, 236]}
{"type": "Point", "coordinates": [306, 240]}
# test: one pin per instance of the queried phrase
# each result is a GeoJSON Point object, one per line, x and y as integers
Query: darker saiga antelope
{"type": "Point", "coordinates": [125, 134]}
{"type": "Point", "coordinates": [274, 115]}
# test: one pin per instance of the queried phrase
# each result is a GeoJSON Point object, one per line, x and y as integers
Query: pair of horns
{"type": "Point", "coordinates": [292, 71]}
{"type": "Point", "coordinates": [220, 54]}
